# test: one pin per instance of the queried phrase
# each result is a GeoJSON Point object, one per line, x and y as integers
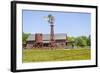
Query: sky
{"type": "Point", "coordinates": [70, 23]}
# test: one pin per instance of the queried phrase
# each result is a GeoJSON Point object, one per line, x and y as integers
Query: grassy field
{"type": "Point", "coordinates": [31, 55]}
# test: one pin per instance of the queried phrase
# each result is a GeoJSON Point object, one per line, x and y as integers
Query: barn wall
{"type": "Point", "coordinates": [30, 44]}
{"type": "Point", "coordinates": [61, 43]}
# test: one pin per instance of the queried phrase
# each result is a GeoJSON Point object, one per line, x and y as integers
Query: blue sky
{"type": "Point", "coordinates": [71, 23]}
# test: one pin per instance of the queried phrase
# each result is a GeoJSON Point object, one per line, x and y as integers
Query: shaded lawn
{"type": "Point", "coordinates": [37, 55]}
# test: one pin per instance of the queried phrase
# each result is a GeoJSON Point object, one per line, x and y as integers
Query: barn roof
{"type": "Point", "coordinates": [47, 37]}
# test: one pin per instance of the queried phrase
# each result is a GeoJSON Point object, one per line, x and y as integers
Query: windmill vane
{"type": "Point", "coordinates": [50, 19]}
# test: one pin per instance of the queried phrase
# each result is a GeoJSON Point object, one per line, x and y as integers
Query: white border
{"type": "Point", "coordinates": [21, 65]}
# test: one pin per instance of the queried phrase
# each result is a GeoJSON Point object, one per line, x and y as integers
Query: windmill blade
{"type": "Point", "coordinates": [46, 18]}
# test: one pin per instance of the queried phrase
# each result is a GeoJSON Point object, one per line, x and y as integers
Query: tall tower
{"type": "Point", "coordinates": [52, 33]}
{"type": "Point", "coordinates": [50, 20]}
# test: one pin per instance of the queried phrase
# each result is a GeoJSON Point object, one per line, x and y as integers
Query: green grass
{"type": "Point", "coordinates": [37, 55]}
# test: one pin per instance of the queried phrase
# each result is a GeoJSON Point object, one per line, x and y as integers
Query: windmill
{"type": "Point", "coordinates": [50, 20]}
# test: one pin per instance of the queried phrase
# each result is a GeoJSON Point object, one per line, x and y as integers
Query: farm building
{"type": "Point", "coordinates": [43, 40]}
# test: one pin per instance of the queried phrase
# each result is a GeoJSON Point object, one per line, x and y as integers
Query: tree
{"type": "Point", "coordinates": [71, 39]}
{"type": "Point", "coordinates": [24, 37]}
{"type": "Point", "coordinates": [89, 41]}
{"type": "Point", "coordinates": [81, 41]}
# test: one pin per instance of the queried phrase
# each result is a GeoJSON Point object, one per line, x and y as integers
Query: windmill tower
{"type": "Point", "coordinates": [50, 20]}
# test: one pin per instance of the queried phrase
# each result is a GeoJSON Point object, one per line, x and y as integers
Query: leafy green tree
{"type": "Point", "coordinates": [24, 37]}
{"type": "Point", "coordinates": [81, 41]}
{"type": "Point", "coordinates": [89, 41]}
{"type": "Point", "coordinates": [70, 38]}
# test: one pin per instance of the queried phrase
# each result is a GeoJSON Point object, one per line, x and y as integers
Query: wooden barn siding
{"type": "Point", "coordinates": [60, 43]}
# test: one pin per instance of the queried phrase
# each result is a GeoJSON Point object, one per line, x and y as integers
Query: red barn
{"type": "Point", "coordinates": [43, 40]}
